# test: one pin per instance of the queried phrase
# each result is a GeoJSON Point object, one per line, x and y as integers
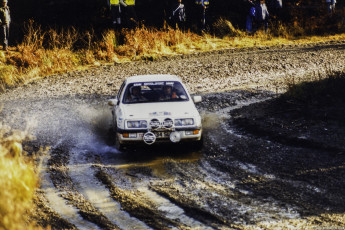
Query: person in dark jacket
{"type": "Point", "coordinates": [262, 15]}
{"type": "Point", "coordinates": [178, 15]}
{"type": "Point", "coordinates": [250, 8]}
{"type": "Point", "coordinates": [115, 12]}
{"type": "Point", "coordinates": [276, 7]}
{"type": "Point", "coordinates": [331, 6]}
{"type": "Point", "coordinates": [202, 6]}
{"type": "Point", "coordinates": [5, 20]}
{"type": "Point", "coordinates": [131, 15]}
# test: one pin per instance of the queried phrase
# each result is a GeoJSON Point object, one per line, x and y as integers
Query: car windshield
{"type": "Point", "coordinates": [158, 91]}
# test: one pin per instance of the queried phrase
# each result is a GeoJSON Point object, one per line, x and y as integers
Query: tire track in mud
{"type": "Point", "coordinates": [171, 210]}
{"type": "Point", "coordinates": [132, 190]}
{"type": "Point", "coordinates": [83, 175]}
{"type": "Point", "coordinates": [66, 211]}
{"type": "Point", "coordinates": [130, 203]}
{"type": "Point", "coordinates": [64, 184]}
{"type": "Point", "coordinates": [214, 198]}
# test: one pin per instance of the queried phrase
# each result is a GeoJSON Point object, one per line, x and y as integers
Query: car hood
{"type": "Point", "coordinates": [163, 109]}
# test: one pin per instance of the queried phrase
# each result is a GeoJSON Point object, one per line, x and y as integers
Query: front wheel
{"type": "Point", "coordinates": [118, 145]}
{"type": "Point", "coordinates": [197, 145]}
{"type": "Point", "coordinates": [200, 143]}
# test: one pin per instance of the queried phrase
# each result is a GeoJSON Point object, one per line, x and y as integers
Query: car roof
{"type": "Point", "coordinates": [153, 77]}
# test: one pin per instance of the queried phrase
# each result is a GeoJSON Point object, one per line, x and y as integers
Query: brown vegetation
{"type": "Point", "coordinates": [18, 180]}
{"type": "Point", "coordinates": [44, 53]}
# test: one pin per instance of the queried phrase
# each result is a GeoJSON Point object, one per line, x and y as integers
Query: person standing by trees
{"type": "Point", "coordinates": [331, 6]}
{"type": "Point", "coordinates": [262, 15]}
{"type": "Point", "coordinates": [276, 7]}
{"type": "Point", "coordinates": [178, 16]}
{"type": "Point", "coordinates": [115, 12]}
{"type": "Point", "coordinates": [202, 6]}
{"type": "Point", "coordinates": [131, 16]}
{"type": "Point", "coordinates": [5, 20]}
{"type": "Point", "coordinates": [250, 9]}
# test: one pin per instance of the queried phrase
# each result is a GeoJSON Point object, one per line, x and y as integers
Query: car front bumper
{"type": "Point", "coordinates": [133, 136]}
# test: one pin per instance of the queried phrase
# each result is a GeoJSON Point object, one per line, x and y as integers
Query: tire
{"type": "Point", "coordinates": [114, 140]}
{"type": "Point", "coordinates": [111, 136]}
{"type": "Point", "coordinates": [195, 145]}
{"type": "Point", "coordinates": [118, 145]}
{"type": "Point", "coordinates": [199, 144]}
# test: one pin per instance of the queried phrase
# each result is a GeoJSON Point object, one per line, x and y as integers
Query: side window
{"type": "Point", "coordinates": [120, 91]}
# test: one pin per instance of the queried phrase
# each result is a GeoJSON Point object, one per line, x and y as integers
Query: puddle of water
{"type": "Point", "coordinates": [158, 164]}
{"type": "Point", "coordinates": [155, 159]}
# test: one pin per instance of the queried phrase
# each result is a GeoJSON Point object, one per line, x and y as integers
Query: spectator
{"type": "Point", "coordinates": [276, 6]}
{"type": "Point", "coordinates": [178, 14]}
{"type": "Point", "coordinates": [5, 20]}
{"type": "Point", "coordinates": [250, 8]}
{"type": "Point", "coordinates": [115, 12]}
{"type": "Point", "coordinates": [331, 6]}
{"type": "Point", "coordinates": [261, 15]}
{"type": "Point", "coordinates": [131, 16]}
{"type": "Point", "coordinates": [202, 6]}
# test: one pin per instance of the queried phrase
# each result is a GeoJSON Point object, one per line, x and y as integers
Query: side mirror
{"type": "Point", "coordinates": [112, 102]}
{"type": "Point", "coordinates": [197, 99]}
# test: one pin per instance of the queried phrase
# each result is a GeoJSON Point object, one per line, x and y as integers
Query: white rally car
{"type": "Point", "coordinates": [155, 108]}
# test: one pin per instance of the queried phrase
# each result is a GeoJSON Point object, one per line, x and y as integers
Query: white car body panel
{"type": "Point", "coordinates": [148, 110]}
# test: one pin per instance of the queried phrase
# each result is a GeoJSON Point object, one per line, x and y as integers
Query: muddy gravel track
{"type": "Point", "coordinates": [251, 172]}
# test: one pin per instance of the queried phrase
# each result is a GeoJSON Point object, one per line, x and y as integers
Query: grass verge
{"type": "Point", "coordinates": [48, 52]}
{"type": "Point", "coordinates": [18, 180]}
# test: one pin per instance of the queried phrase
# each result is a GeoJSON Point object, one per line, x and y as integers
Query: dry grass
{"type": "Point", "coordinates": [44, 53]}
{"type": "Point", "coordinates": [18, 180]}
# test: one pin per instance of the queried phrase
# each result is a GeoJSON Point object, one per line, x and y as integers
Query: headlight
{"type": "Point", "coordinates": [136, 124]}
{"type": "Point", "coordinates": [184, 122]}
